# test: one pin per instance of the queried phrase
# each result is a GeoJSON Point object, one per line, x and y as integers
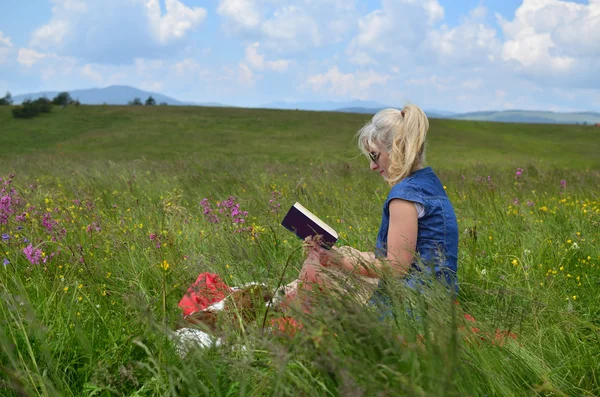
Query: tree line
{"type": "Point", "coordinates": [149, 102]}
{"type": "Point", "coordinates": [31, 108]}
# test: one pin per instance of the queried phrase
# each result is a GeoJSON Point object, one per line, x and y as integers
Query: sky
{"type": "Point", "coordinates": [452, 55]}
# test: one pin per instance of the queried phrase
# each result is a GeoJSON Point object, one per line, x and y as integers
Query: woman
{"type": "Point", "coordinates": [418, 232]}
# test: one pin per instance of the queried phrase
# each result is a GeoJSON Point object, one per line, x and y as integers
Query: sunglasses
{"type": "Point", "coordinates": [374, 157]}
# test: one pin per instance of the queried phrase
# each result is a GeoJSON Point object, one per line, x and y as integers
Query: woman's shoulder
{"type": "Point", "coordinates": [415, 179]}
{"type": "Point", "coordinates": [422, 184]}
{"type": "Point", "coordinates": [406, 189]}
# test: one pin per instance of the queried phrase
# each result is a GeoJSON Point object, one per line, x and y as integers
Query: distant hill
{"type": "Point", "coordinates": [507, 116]}
{"type": "Point", "coordinates": [325, 105]}
{"type": "Point", "coordinates": [355, 106]}
{"type": "Point", "coordinates": [430, 114]}
{"type": "Point", "coordinates": [531, 116]}
{"type": "Point", "coordinates": [112, 95]}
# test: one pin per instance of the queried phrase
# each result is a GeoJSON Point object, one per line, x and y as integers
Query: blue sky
{"type": "Point", "coordinates": [456, 55]}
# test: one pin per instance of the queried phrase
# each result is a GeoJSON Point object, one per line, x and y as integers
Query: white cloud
{"type": "Point", "coordinates": [245, 75]}
{"type": "Point", "coordinates": [176, 22]}
{"type": "Point", "coordinates": [5, 48]}
{"type": "Point", "coordinates": [355, 85]}
{"type": "Point", "coordinates": [186, 67]}
{"type": "Point", "coordinates": [291, 27]}
{"type": "Point", "coordinates": [360, 58]}
{"type": "Point", "coordinates": [240, 14]}
{"type": "Point", "coordinates": [257, 61]}
{"type": "Point", "coordinates": [470, 42]}
{"type": "Point", "coordinates": [440, 83]}
{"type": "Point", "coordinates": [30, 57]}
{"type": "Point", "coordinates": [554, 40]}
{"type": "Point", "coordinates": [398, 24]}
{"type": "Point", "coordinates": [116, 31]}
{"type": "Point", "coordinates": [89, 72]}
{"type": "Point", "coordinates": [5, 40]}
{"type": "Point", "coordinates": [48, 66]}
{"type": "Point", "coordinates": [51, 35]}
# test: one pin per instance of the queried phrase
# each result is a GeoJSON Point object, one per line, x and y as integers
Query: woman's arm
{"type": "Point", "coordinates": [401, 246]}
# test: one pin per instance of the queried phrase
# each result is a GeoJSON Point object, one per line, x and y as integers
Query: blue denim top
{"type": "Point", "coordinates": [437, 238]}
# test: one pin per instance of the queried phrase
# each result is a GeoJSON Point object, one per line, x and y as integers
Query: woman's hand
{"type": "Point", "coordinates": [325, 257]}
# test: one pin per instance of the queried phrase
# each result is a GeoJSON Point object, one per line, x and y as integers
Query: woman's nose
{"type": "Point", "coordinates": [374, 165]}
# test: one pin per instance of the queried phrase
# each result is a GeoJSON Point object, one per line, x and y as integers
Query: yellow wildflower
{"type": "Point", "coordinates": [164, 265]}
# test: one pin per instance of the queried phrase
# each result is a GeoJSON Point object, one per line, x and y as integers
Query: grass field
{"type": "Point", "coordinates": [103, 231]}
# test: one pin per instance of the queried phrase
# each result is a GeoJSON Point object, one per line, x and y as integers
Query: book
{"type": "Point", "coordinates": [304, 223]}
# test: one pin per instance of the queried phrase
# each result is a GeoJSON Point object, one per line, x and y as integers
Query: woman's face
{"type": "Point", "coordinates": [379, 161]}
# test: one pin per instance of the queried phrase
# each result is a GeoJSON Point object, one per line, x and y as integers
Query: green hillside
{"type": "Point", "coordinates": [294, 137]}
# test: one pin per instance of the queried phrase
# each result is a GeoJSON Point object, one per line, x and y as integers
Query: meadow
{"type": "Point", "coordinates": [108, 214]}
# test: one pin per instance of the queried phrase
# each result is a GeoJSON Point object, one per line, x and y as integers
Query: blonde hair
{"type": "Point", "coordinates": [402, 134]}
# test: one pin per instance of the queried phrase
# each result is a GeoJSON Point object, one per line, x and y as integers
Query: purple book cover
{"type": "Point", "coordinates": [304, 223]}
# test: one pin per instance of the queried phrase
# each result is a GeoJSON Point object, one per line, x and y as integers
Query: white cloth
{"type": "Point", "coordinates": [186, 338]}
{"type": "Point", "coordinates": [420, 210]}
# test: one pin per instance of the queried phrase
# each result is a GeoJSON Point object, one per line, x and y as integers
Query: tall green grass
{"type": "Point", "coordinates": [95, 318]}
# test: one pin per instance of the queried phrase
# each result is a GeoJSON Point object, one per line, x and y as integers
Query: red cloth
{"type": "Point", "coordinates": [208, 289]}
{"type": "Point", "coordinates": [286, 325]}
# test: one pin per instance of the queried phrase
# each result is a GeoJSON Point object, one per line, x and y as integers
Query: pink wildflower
{"type": "Point", "coordinates": [519, 172]}
{"type": "Point", "coordinates": [33, 255]}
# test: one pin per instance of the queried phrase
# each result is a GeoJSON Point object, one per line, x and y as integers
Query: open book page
{"type": "Point", "coordinates": [315, 219]}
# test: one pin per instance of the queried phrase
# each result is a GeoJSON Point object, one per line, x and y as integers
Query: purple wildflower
{"type": "Point", "coordinates": [6, 261]}
{"type": "Point", "coordinates": [273, 202]}
{"type": "Point", "coordinates": [93, 226]}
{"type": "Point", "coordinates": [48, 222]}
{"type": "Point", "coordinates": [519, 172]}
{"type": "Point", "coordinates": [5, 208]}
{"type": "Point", "coordinates": [208, 212]}
{"type": "Point", "coordinates": [530, 203]}
{"type": "Point", "coordinates": [5, 236]}
{"type": "Point", "coordinates": [516, 201]}
{"type": "Point", "coordinates": [33, 255]}
{"type": "Point", "coordinates": [563, 184]}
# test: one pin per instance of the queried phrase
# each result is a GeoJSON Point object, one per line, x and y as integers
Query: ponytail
{"type": "Point", "coordinates": [408, 144]}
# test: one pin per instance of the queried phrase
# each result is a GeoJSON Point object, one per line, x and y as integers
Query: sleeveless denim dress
{"type": "Point", "coordinates": [437, 238]}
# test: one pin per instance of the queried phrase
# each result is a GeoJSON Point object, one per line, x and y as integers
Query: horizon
{"type": "Point", "coordinates": [458, 57]}
{"type": "Point", "coordinates": [340, 102]}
